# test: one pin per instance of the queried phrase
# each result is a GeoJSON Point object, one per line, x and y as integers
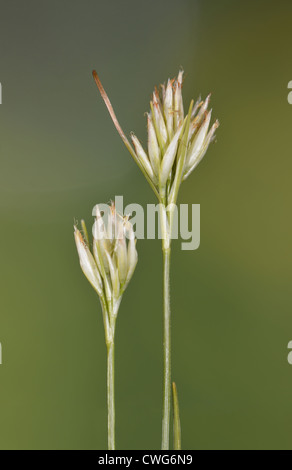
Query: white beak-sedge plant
{"type": "Point", "coordinates": [108, 265]}
{"type": "Point", "coordinates": [176, 145]}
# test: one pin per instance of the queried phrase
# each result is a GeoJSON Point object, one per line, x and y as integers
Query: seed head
{"type": "Point", "coordinates": [166, 125]}
{"type": "Point", "coordinates": [112, 261]}
{"type": "Point", "coordinates": [176, 142]}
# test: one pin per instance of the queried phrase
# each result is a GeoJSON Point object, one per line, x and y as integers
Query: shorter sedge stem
{"type": "Point", "coordinates": [111, 394]}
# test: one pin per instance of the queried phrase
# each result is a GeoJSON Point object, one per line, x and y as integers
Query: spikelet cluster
{"type": "Point", "coordinates": [176, 143]}
{"type": "Point", "coordinates": [111, 262]}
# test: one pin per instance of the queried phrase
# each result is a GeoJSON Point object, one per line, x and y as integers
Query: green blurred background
{"type": "Point", "coordinates": [60, 155]}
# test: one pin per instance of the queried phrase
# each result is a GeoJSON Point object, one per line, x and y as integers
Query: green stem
{"type": "Point", "coordinates": [166, 221]}
{"type": "Point", "coordinates": [111, 394]}
{"type": "Point", "coordinates": [166, 351]}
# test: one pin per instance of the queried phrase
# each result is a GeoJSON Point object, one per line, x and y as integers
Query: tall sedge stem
{"type": "Point", "coordinates": [166, 218]}
{"type": "Point", "coordinates": [166, 351]}
{"type": "Point", "coordinates": [111, 394]}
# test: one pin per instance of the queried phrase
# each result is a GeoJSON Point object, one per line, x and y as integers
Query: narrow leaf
{"type": "Point", "coordinates": [176, 420]}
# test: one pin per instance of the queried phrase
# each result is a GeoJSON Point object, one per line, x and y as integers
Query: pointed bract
{"type": "Point", "coordinates": [168, 108]}
{"type": "Point", "coordinates": [87, 262]}
{"type": "Point", "coordinates": [153, 147]}
{"type": "Point", "coordinates": [210, 137]}
{"type": "Point", "coordinates": [159, 120]}
{"type": "Point", "coordinates": [169, 158]}
{"type": "Point", "coordinates": [198, 141]}
{"type": "Point", "coordinates": [141, 154]}
{"type": "Point", "coordinates": [178, 101]}
{"type": "Point", "coordinates": [122, 260]}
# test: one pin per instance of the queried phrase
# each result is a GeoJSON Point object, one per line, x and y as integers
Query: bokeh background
{"type": "Point", "coordinates": [60, 155]}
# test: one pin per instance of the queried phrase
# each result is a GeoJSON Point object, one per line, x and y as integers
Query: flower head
{"type": "Point", "coordinates": [111, 262]}
{"type": "Point", "coordinates": [176, 142]}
